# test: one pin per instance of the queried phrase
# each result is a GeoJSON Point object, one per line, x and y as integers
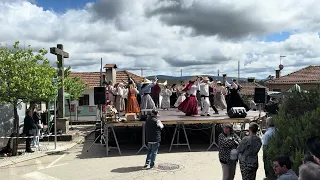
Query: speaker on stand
{"type": "Point", "coordinates": [100, 100]}
{"type": "Point", "coordinates": [260, 97]}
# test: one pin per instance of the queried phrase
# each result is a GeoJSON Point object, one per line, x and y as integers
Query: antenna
{"type": "Point", "coordinates": [280, 65]}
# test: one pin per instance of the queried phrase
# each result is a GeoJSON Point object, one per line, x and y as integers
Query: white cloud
{"type": "Point", "coordinates": [216, 36]}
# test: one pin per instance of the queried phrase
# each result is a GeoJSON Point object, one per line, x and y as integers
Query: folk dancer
{"type": "Point", "coordinates": [146, 100]}
{"type": "Point", "coordinates": [212, 92]}
{"type": "Point", "coordinates": [204, 92]}
{"type": "Point", "coordinates": [235, 99]}
{"type": "Point", "coordinates": [155, 92]}
{"type": "Point", "coordinates": [132, 103]}
{"type": "Point", "coordinates": [166, 93]}
{"type": "Point", "coordinates": [174, 96]}
{"type": "Point", "coordinates": [119, 102]}
{"type": "Point", "coordinates": [111, 93]}
{"type": "Point", "coordinates": [190, 105]}
{"type": "Point", "coordinates": [181, 94]}
{"type": "Point", "coordinates": [219, 98]}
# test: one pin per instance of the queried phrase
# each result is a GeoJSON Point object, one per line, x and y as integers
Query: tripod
{"type": "Point", "coordinates": [101, 132]}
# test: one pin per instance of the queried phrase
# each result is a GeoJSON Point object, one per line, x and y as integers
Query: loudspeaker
{"type": "Point", "coordinates": [260, 95]}
{"type": "Point", "coordinates": [237, 112]}
{"type": "Point", "coordinates": [100, 95]}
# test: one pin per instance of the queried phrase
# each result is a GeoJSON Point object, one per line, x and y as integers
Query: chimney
{"type": "Point", "coordinates": [251, 79]}
{"type": "Point", "coordinates": [278, 71]}
{"type": "Point", "coordinates": [111, 73]}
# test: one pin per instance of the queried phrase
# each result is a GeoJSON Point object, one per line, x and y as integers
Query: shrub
{"type": "Point", "coordinates": [297, 120]}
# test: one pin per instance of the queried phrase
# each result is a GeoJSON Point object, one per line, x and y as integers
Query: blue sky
{"type": "Point", "coordinates": [60, 6]}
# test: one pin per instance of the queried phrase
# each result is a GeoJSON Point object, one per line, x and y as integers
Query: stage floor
{"type": "Point", "coordinates": [174, 115]}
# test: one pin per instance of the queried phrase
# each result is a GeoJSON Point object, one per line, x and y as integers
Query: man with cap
{"type": "Point", "coordinates": [313, 145]}
{"type": "Point", "coordinates": [153, 132]}
{"type": "Point", "coordinates": [204, 92]}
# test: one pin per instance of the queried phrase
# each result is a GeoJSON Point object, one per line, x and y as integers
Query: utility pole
{"type": "Point", "coordinates": [218, 75]}
{"type": "Point", "coordinates": [181, 73]}
{"type": "Point", "coordinates": [141, 72]}
{"type": "Point", "coordinates": [238, 71]}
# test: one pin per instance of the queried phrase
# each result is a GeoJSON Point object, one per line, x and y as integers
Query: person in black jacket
{"type": "Point", "coordinates": [228, 141]}
{"type": "Point", "coordinates": [153, 132]}
{"type": "Point", "coordinates": [29, 128]}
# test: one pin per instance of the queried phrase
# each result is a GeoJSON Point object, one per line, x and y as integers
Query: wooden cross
{"type": "Point", "coordinates": [58, 51]}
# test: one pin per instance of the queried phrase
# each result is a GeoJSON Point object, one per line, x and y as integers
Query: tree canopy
{"type": "Point", "coordinates": [25, 75]}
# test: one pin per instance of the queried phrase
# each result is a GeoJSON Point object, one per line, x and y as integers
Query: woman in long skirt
{"type": "Point", "coordinates": [132, 103]}
{"type": "Point", "coordinates": [219, 98]}
{"type": "Point", "coordinates": [190, 105]}
{"type": "Point", "coordinates": [182, 95]}
{"type": "Point", "coordinates": [146, 100]}
{"type": "Point", "coordinates": [166, 98]}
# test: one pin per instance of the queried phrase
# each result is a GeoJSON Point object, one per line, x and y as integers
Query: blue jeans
{"type": "Point", "coordinates": [152, 153]}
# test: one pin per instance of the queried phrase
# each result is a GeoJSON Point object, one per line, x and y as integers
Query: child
{"type": "Point", "coordinates": [153, 132]}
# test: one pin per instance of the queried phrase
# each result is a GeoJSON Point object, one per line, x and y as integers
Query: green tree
{"type": "Point", "coordinates": [25, 76]}
{"type": "Point", "coordinates": [73, 85]}
{"type": "Point", "coordinates": [298, 120]}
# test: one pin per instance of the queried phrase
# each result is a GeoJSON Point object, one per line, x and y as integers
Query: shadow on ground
{"type": "Point", "coordinates": [127, 169]}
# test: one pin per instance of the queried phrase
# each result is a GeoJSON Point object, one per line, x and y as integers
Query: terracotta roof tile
{"type": "Point", "coordinates": [93, 78]}
{"type": "Point", "coordinates": [310, 74]}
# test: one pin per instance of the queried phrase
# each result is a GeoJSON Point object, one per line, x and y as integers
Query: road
{"type": "Point", "coordinates": [93, 165]}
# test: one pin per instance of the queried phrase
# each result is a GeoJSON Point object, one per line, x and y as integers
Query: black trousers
{"type": "Point", "coordinates": [211, 99]}
{"type": "Point", "coordinates": [28, 144]}
{"type": "Point", "coordinates": [155, 98]}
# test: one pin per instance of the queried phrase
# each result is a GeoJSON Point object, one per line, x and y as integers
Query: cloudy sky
{"type": "Point", "coordinates": [165, 36]}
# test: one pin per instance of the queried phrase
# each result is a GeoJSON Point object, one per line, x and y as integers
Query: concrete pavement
{"type": "Point", "coordinates": [93, 165]}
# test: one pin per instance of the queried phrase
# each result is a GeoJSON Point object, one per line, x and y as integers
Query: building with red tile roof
{"type": "Point", "coordinates": [306, 78]}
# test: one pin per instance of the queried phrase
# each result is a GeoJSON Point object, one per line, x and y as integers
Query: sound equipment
{"type": "Point", "coordinates": [100, 95]}
{"type": "Point", "coordinates": [237, 112]}
{"type": "Point", "coordinates": [260, 95]}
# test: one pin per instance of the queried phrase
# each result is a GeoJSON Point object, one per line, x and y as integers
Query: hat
{"type": "Point", "coordinates": [146, 81]}
{"type": "Point", "coordinates": [219, 82]}
{"type": "Point", "coordinates": [313, 145]}
{"type": "Point", "coordinates": [205, 79]}
{"type": "Point", "coordinates": [227, 125]}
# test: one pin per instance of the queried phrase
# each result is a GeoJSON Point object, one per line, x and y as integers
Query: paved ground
{"type": "Point", "coordinates": [79, 132]}
{"type": "Point", "coordinates": [93, 165]}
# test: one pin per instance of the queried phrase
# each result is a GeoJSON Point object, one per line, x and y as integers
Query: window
{"type": "Point", "coordinates": [84, 101]}
{"type": "Point", "coordinates": [277, 90]}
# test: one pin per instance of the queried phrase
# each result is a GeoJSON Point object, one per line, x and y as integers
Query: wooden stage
{"type": "Point", "coordinates": [177, 118]}
{"type": "Point", "coordinates": [173, 116]}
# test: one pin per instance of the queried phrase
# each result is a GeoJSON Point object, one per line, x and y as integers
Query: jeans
{"type": "Point", "coordinates": [152, 153]}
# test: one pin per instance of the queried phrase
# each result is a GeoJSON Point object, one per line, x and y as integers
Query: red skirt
{"type": "Point", "coordinates": [189, 106]}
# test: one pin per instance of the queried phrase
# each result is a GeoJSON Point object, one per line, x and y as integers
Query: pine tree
{"type": "Point", "coordinates": [297, 120]}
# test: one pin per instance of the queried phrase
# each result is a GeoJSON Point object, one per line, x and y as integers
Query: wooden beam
{"type": "Point", "coordinates": [57, 51]}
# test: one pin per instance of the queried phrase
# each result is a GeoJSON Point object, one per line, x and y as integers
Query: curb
{"type": "Point", "coordinates": [78, 140]}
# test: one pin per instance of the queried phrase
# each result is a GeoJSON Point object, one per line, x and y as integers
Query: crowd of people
{"type": "Point", "coordinates": [132, 97]}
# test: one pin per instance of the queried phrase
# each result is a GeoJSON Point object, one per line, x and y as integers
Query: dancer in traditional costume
{"type": "Point", "coordinates": [219, 99]}
{"type": "Point", "coordinates": [132, 103]}
{"type": "Point", "coordinates": [110, 90]}
{"type": "Point", "coordinates": [235, 99]}
{"type": "Point", "coordinates": [119, 102]}
{"type": "Point", "coordinates": [190, 104]}
{"type": "Point", "coordinates": [146, 100]}
{"type": "Point", "coordinates": [155, 92]}
{"type": "Point", "coordinates": [174, 96]}
{"type": "Point", "coordinates": [166, 94]}
{"type": "Point", "coordinates": [182, 95]}
{"type": "Point", "coordinates": [204, 92]}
